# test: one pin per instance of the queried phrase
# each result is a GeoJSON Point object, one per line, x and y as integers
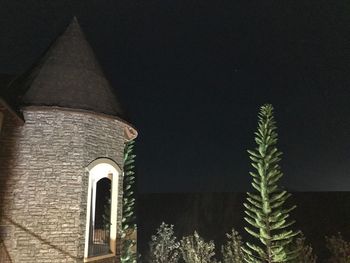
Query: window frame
{"type": "Point", "coordinates": [98, 169]}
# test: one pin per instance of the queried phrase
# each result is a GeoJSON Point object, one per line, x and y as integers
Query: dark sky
{"type": "Point", "coordinates": [192, 74]}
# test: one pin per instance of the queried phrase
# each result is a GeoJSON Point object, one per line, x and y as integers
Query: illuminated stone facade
{"type": "Point", "coordinates": [44, 180]}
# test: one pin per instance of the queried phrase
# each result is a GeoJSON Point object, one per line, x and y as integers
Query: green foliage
{"type": "Point", "coordinates": [232, 250]}
{"type": "Point", "coordinates": [266, 216]}
{"type": "Point", "coordinates": [127, 254]}
{"type": "Point", "coordinates": [339, 248]}
{"type": "Point", "coordinates": [163, 246]}
{"type": "Point", "coordinates": [128, 251]}
{"type": "Point", "coordinates": [195, 250]}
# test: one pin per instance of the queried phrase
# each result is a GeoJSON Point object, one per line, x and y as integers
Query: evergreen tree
{"type": "Point", "coordinates": [128, 246]}
{"type": "Point", "coordinates": [195, 250]}
{"type": "Point", "coordinates": [232, 250]}
{"type": "Point", "coordinates": [163, 246]}
{"type": "Point", "coordinates": [264, 207]}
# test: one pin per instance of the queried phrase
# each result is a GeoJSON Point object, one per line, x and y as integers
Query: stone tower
{"type": "Point", "coordinates": [61, 158]}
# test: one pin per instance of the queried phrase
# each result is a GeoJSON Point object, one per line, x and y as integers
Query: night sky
{"type": "Point", "coordinates": [191, 76]}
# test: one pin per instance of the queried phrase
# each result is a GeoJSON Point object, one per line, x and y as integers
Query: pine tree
{"type": "Point", "coordinates": [195, 250]}
{"type": "Point", "coordinates": [232, 250]}
{"type": "Point", "coordinates": [264, 208]}
{"type": "Point", "coordinates": [163, 246]}
{"type": "Point", "coordinates": [128, 251]}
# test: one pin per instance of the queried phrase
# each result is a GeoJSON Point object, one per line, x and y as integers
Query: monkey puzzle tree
{"type": "Point", "coordinates": [265, 206]}
{"type": "Point", "coordinates": [128, 252]}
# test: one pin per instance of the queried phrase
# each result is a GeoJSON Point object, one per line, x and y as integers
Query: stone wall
{"type": "Point", "coordinates": [44, 181]}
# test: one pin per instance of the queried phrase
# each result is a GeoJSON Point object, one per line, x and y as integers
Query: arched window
{"type": "Point", "coordinates": [102, 201]}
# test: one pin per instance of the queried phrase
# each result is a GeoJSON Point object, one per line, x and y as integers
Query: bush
{"type": "Point", "coordinates": [232, 250]}
{"type": "Point", "coordinates": [339, 248]}
{"type": "Point", "coordinates": [195, 250]}
{"type": "Point", "coordinates": [163, 246]}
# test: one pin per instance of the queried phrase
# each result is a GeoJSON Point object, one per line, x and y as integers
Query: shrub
{"type": "Point", "coordinates": [163, 245]}
{"type": "Point", "coordinates": [339, 248]}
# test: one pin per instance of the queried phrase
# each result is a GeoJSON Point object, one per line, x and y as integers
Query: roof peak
{"type": "Point", "coordinates": [69, 75]}
{"type": "Point", "coordinates": [74, 23]}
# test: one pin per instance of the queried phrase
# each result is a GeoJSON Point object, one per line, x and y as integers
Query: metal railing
{"type": "Point", "coordinates": [99, 242]}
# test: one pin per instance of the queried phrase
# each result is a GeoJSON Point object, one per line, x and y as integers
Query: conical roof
{"type": "Point", "coordinates": [68, 75]}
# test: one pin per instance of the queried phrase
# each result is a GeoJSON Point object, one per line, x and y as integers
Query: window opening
{"type": "Point", "coordinates": [102, 207]}
{"type": "Point", "coordinates": [100, 222]}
